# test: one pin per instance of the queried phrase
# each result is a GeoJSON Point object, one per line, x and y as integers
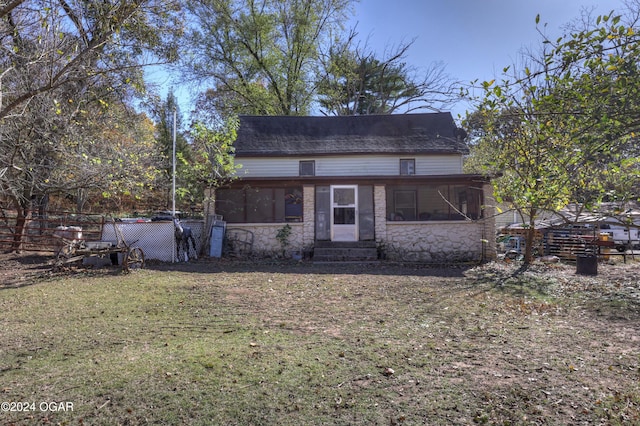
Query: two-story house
{"type": "Point", "coordinates": [394, 182]}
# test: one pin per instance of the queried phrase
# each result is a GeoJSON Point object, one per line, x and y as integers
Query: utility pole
{"type": "Point", "coordinates": [173, 157]}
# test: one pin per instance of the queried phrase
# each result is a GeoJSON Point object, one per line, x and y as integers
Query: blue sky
{"type": "Point", "coordinates": [474, 39]}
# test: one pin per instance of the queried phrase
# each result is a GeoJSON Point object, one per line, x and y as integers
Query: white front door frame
{"type": "Point", "coordinates": [344, 212]}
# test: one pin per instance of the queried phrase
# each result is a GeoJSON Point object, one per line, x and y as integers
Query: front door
{"type": "Point", "coordinates": [344, 213]}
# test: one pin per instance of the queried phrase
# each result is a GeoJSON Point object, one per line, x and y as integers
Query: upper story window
{"type": "Point", "coordinates": [307, 168]}
{"type": "Point", "coordinates": [408, 166]}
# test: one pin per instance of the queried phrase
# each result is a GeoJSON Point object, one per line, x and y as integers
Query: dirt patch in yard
{"type": "Point", "coordinates": [18, 270]}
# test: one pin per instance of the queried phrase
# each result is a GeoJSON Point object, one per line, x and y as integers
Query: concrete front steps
{"type": "Point", "coordinates": [345, 251]}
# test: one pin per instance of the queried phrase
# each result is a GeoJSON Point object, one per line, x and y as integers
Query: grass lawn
{"type": "Point", "coordinates": [297, 344]}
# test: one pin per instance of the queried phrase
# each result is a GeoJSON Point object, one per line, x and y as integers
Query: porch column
{"type": "Point", "coordinates": [309, 215]}
{"type": "Point", "coordinates": [380, 212]}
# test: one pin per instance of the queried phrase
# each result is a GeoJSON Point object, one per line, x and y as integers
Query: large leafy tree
{"type": "Point", "coordinates": [358, 82]}
{"type": "Point", "coordinates": [259, 56]}
{"type": "Point", "coordinates": [117, 165]}
{"type": "Point", "coordinates": [524, 152]}
{"type": "Point", "coordinates": [596, 83]}
{"type": "Point", "coordinates": [60, 58]}
{"type": "Point", "coordinates": [212, 163]}
{"type": "Point", "coordinates": [561, 130]}
{"type": "Point", "coordinates": [76, 150]}
{"type": "Point", "coordinates": [49, 44]}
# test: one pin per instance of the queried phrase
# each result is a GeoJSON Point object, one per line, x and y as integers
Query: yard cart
{"type": "Point", "coordinates": [76, 249]}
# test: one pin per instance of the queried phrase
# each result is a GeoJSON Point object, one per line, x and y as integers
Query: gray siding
{"type": "Point", "coordinates": [360, 165]}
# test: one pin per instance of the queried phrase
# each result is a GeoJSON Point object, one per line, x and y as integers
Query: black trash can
{"type": "Point", "coordinates": [587, 264]}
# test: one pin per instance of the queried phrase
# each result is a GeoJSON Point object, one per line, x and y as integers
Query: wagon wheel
{"type": "Point", "coordinates": [133, 259]}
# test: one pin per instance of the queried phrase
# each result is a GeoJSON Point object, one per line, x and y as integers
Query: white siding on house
{"type": "Point", "coordinates": [360, 165]}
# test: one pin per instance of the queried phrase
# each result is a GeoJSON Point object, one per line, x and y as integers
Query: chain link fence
{"type": "Point", "coordinates": [156, 239]}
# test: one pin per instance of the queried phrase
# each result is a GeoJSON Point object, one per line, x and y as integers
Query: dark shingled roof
{"type": "Point", "coordinates": [434, 133]}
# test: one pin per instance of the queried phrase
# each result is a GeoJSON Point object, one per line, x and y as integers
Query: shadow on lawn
{"type": "Point", "coordinates": [301, 267]}
{"type": "Point", "coordinates": [21, 270]}
{"type": "Point", "coordinates": [25, 269]}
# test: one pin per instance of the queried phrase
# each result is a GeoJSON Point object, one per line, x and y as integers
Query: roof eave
{"type": "Point", "coordinates": [263, 154]}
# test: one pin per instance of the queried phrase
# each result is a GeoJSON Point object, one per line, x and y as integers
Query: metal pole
{"type": "Point", "coordinates": [173, 187]}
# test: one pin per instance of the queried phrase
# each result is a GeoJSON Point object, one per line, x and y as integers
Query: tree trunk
{"type": "Point", "coordinates": [22, 218]}
{"type": "Point", "coordinates": [81, 198]}
{"type": "Point", "coordinates": [529, 238]}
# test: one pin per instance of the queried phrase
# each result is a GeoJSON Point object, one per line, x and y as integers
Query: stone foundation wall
{"type": "Point", "coordinates": [265, 243]}
{"type": "Point", "coordinates": [431, 242]}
